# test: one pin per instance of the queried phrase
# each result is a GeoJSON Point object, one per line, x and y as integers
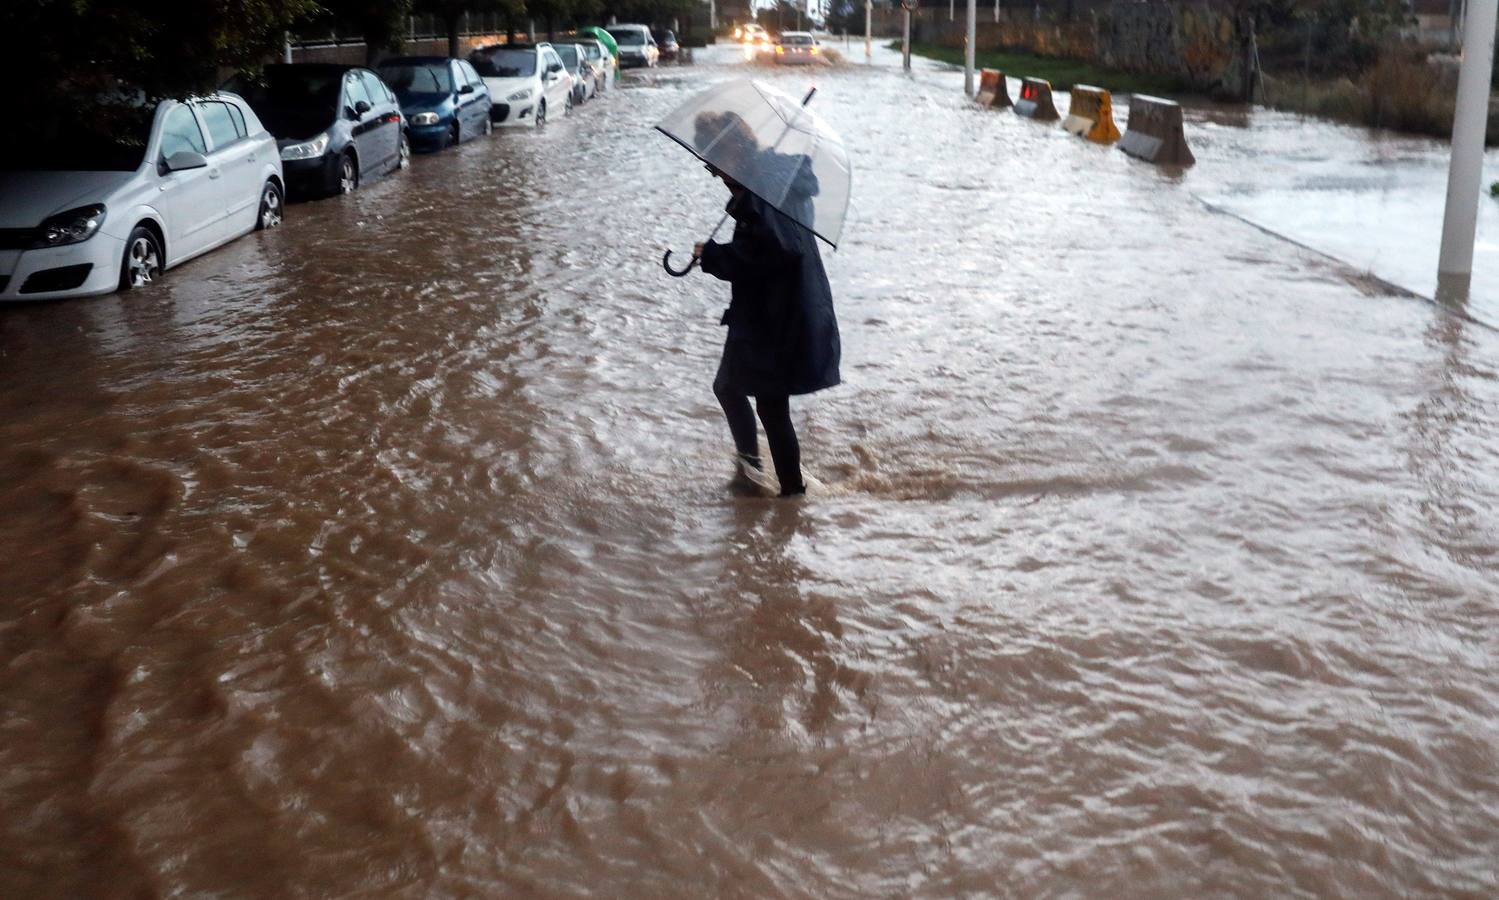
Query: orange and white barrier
{"type": "Point", "coordinates": [994, 91]}
{"type": "Point", "coordinates": [1155, 132]}
{"type": "Point", "coordinates": [1091, 115]}
{"type": "Point", "coordinates": [1035, 100]}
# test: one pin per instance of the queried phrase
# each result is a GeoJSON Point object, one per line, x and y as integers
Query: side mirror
{"type": "Point", "coordinates": [183, 160]}
{"type": "Point", "coordinates": [466, 89]}
{"type": "Point", "coordinates": [361, 107]}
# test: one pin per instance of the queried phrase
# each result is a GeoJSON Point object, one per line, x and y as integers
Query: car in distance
{"type": "Point", "coordinates": [527, 82]}
{"type": "Point", "coordinates": [798, 48]}
{"type": "Point", "coordinates": [750, 33]}
{"type": "Point", "coordinates": [666, 42]}
{"type": "Point", "coordinates": [337, 126]}
{"type": "Point", "coordinates": [603, 62]}
{"type": "Point", "coordinates": [576, 62]}
{"type": "Point", "coordinates": [91, 210]}
{"type": "Point", "coordinates": [636, 46]}
{"type": "Point", "coordinates": [444, 100]}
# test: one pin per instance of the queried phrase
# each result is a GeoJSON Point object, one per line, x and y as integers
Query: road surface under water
{"type": "Point", "coordinates": [391, 553]}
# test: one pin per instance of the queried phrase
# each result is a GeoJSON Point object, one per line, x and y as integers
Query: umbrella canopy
{"type": "Point", "coordinates": [778, 149]}
{"type": "Point", "coordinates": [603, 37]}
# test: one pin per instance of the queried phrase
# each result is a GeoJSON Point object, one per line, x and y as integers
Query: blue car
{"type": "Point", "coordinates": [444, 100]}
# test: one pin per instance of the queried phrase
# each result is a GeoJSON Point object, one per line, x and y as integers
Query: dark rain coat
{"type": "Point", "coordinates": [783, 336]}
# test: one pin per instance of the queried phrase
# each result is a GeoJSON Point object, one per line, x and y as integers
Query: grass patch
{"type": "Point", "coordinates": [1062, 73]}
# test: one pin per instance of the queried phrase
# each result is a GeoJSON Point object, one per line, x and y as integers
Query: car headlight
{"type": "Point", "coordinates": [426, 118]}
{"type": "Point", "coordinates": [72, 227]}
{"type": "Point", "coordinates": [307, 149]}
{"type": "Point", "coordinates": [519, 96]}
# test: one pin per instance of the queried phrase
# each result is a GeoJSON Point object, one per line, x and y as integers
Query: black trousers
{"type": "Point", "coordinates": [775, 415]}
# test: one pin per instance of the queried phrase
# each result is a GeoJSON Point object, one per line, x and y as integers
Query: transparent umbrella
{"type": "Point", "coordinates": [775, 147]}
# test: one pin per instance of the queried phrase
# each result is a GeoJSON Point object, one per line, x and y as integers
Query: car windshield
{"type": "Point", "coordinates": [502, 63]}
{"type": "Point", "coordinates": [797, 40]}
{"type": "Point", "coordinates": [292, 101]}
{"type": "Point", "coordinates": [110, 139]}
{"type": "Point", "coordinates": [408, 79]}
{"type": "Point", "coordinates": [628, 37]}
{"type": "Point", "coordinates": [291, 88]}
{"type": "Point", "coordinates": [569, 55]}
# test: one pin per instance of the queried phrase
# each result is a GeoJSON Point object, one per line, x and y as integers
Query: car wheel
{"type": "Point", "coordinates": [270, 207]}
{"type": "Point", "coordinates": [403, 156]}
{"type": "Point", "coordinates": [348, 174]}
{"type": "Point", "coordinates": [142, 262]}
{"type": "Point", "coordinates": [455, 136]}
{"type": "Point", "coordinates": [541, 114]}
{"type": "Point", "coordinates": [567, 108]}
{"type": "Point", "coordinates": [488, 126]}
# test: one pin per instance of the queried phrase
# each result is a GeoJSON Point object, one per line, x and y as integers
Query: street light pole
{"type": "Point", "coordinates": [868, 29]}
{"type": "Point", "coordinates": [905, 41]}
{"type": "Point", "coordinates": [968, 48]}
{"type": "Point", "coordinates": [1465, 173]}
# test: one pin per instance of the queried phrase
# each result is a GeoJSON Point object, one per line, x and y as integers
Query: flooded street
{"type": "Point", "coordinates": [391, 553]}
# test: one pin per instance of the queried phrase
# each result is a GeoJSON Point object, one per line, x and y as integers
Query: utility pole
{"type": "Point", "coordinates": [968, 49]}
{"type": "Point", "coordinates": [952, 12]}
{"type": "Point", "coordinates": [1465, 175]}
{"type": "Point", "coordinates": [713, 16]}
{"type": "Point", "coordinates": [868, 29]}
{"type": "Point", "coordinates": [286, 49]}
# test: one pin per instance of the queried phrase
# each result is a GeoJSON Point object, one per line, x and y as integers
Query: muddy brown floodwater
{"type": "Point", "coordinates": [391, 553]}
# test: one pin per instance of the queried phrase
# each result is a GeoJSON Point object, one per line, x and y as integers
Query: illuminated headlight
{"type": "Point", "coordinates": [428, 118]}
{"type": "Point", "coordinates": [72, 227]}
{"type": "Point", "coordinates": [519, 96]}
{"type": "Point", "coordinates": [307, 149]}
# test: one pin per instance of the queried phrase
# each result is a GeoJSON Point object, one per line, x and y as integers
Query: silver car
{"type": "Point", "coordinates": [798, 48]}
{"type": "Point", "coordinates": [89, 213]}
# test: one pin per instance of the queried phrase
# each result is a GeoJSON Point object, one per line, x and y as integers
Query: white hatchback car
{"type": "Point", "coordinates": [527, 82]}
{"type": "Point", "coordinates": [600, 56]}
{"type": "Point", "coordinates": [89, 213]}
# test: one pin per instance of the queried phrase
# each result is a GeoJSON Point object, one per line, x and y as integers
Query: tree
{"type": "Point", "coordinates": [381, 23]}
{"type": "Point", "coordinates": [451, 12]}
{"type": "Point", "coordinates": [73, 53]}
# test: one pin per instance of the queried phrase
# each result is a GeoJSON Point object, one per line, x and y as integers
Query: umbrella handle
{"type": "Point", "coordinates": [675, 273]}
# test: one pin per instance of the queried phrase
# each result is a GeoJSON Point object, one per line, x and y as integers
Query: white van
{"type": "Point", "coordinates": [636, 46]}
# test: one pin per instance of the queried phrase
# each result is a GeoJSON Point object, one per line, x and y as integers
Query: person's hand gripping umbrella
{"type": "Point", "coordinates": [773, 147]}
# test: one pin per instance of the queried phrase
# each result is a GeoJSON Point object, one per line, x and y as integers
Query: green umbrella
{"type": "Point", "coordinates": [607, 40]}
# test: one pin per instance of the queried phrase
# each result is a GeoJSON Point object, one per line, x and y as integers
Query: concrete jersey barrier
{"type": "Point", "coordinates": [1155, 133]}
{"type": "Point", "coordinates": [1091, 115]}
{"type": "Point", "coordinates": [1035, 100]}
{"type": "Point", "coordinates": [994, 91]}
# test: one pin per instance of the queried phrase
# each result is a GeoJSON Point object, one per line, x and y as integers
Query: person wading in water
{"type": "Point", "coordinates": [783, 336]}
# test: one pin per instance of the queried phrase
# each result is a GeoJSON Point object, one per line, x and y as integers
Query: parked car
{"type": "Point", "coordinates": [576, 63]}
{"type": "Point", "coordinates": [666, 42]}
{"type": "Point", "coordinates": [444, 100]}
{"type": "Point", "coordinates": [337, 126]}
{"type": "Point", "coordinates": [90, 210]}
{"type": "Point", "coordinates": [603, 63]}
{"type": "Point", "coordinates": [526, 81]}
{"type": "Point", "coordinates": [636, 46]}
{"type": "Point", "coordinates": [798, 48]}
